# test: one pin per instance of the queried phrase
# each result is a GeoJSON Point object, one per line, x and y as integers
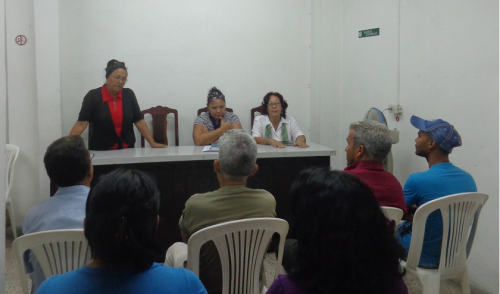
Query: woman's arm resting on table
{"type": "Point", "coordinates": [261, 141]}
{"type": "Point", "coordinates": [143, 128]}
{"type": "Point", "coordinates": [78, 128]}
{"type": "Point", "coordinates": [202, 137]}
{"type": "Point", "coordinates": [301, 142]}
{"type": "Point", "coordinates": [264, 141]}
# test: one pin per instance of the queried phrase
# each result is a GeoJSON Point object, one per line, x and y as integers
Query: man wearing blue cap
{"type": "Point", "coordinates": [435, 141]}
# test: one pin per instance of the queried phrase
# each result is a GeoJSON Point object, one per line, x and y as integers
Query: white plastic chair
{"type": "Point", "coordinates": [11, 154]}
{"type": "Point", "coordinates": [393, 213]}
{"type": "Point", "coordinates": [57, 252]}
{"type": "Point", "coordinates": [241, 245]}
{"type": "Point", "coordinates": [460, 214]}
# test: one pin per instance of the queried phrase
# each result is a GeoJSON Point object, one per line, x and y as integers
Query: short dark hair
{"type": "Point", "coordinates": [67, 161]}
{"type": "Point", "coordinates": [113, 65]}
{"type": "Point", "coordinates": [121, 219]}
{"type": "Point", "coordinates": [345, 244]}
{"type": "Point", "coordinates": [265, 101]}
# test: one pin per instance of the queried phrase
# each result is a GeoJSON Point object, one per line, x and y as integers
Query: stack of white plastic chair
{"type": "Point", "coordinates": [11, 153]}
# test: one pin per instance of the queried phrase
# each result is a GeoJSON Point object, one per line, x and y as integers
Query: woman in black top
{"type": "Point", "coordinates": [112, 109]}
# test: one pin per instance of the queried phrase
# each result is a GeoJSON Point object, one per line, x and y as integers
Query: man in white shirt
{"type": "Point", "coordinates": [69, 166]}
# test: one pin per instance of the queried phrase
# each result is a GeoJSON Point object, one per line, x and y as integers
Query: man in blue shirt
{"type": "Point", "coordinates": [69, 165]}
{"type": "Point", "coordinates": [435, 141]}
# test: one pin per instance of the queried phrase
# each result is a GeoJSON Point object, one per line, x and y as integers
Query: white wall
{"type": "Point", "coordinates": [3, 133]}
{"type": "Point", "coordinates": [176, 50]}
{"type": "Point", "coordinates": [326, 78]}
{"type": "Point", "coordinates": [48, 90]}
{"type": "Point", "coordinates": [22, 104]}
{"type": "Point", "coordinates": [449, 70]}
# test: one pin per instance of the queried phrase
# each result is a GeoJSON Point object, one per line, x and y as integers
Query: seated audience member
{"type": "Point", "coordinates": [120, 224]}
{"type": "Point", "coordinates": [435, 141]}
{"type": "Point", "coordinates": [69, 166]}
{"type": "Point", "coordinates": [274, 127]}
{"type": "Point", "coordinates": [210, 125]}
{"type": "Point", "coordinates": [233, 201]}
{"type": "Point", "coordinates": [368, 144]}
{"type": "Point", "coordinates": [345, 243]}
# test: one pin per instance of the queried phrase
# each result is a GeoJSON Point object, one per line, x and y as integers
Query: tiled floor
{"type": "Point", "coordinates": [12, 281]}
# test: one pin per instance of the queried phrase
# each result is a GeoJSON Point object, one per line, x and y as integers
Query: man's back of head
{"type": "Point", "coordinates": [237, 154]}
{"type": "Point", "coordinates": [67, 161]}
{"type": "Point", "coordinates": [373, 136]}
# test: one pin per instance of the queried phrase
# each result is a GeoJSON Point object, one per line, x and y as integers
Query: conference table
{"type": "Point", "coordinates": [182, 171]}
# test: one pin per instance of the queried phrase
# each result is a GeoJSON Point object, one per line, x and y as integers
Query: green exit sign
{"type": "Point", "coordinates": [369, 33]}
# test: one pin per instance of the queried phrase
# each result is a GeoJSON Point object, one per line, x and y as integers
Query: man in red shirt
{"type": "Point", "coordinates": [368, 144]}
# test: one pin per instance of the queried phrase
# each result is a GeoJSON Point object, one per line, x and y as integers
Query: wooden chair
{"type": "Point", "coordinates": [159, 115]}
{"type": "Point", "coordinates": [242, 245]}
{"type": "Point", "coordinates": [460, 213]}
{"type": "Point", "coordinates": [205, 109]}
{"type": "Point", "coordinates": [252, 113]}
{"type": "Point", "coordinates": [57, 252]}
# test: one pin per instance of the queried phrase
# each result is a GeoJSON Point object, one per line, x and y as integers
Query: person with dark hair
{"type": "Point", "coordinates": [210, 125]}
{"type": "Point", "coordinates": [112, 109]}
{"type": "Point", "coordinates": [368, 144]}
{"type": "Point", "coordinates": [69, 166]}
{"type": "Point", "coordinates": [233, 201]}
{"type": "Point", "coordinates": [435, 141]}
{"type": "Point", "coordinates": [120, 225]}
{"type": "Point", "coordinates": [274, 127]}
{"type": "Point", "coordinates": [345, 242]}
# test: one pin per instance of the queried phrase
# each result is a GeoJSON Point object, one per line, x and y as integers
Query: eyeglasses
{"type": "Point", "coordinates": [91, 156]}
{"type": "Point", "coordinates": [118, 78]}
{"type": "Point", "coordinates": [273, 104]}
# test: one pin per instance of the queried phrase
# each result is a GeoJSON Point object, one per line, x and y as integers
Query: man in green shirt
{"type": "Point", "coordinates": [232, 201]}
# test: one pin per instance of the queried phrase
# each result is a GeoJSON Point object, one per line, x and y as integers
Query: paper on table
{"type": "Point", "coordinates": [210, 149]}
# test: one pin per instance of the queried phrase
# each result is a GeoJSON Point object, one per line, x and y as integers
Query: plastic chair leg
{"type": "Point", "coordinates": [430, 284]}
{"type": "Point", "coordinates": [264, 290]}
{"type": "Point", "coordinates": [12, 219]}
{"type": "Point", "coordinates": [465, 282]}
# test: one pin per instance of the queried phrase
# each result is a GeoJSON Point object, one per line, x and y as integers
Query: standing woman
{"type": "Point", "coordinates": [210, 125]}
{"type": "Point", "coordinates": [112, 110]}
{"type": "Point", "coordinates": [274, 127]}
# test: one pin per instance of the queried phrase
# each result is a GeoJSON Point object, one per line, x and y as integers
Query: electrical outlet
{"type": "Point", "coordinates": [395, 109]}
{"type": "Point", "coordinates": [399, 109]}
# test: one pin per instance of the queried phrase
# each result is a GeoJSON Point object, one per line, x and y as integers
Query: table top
{"type": "Point", "coordinates": [189, 153]}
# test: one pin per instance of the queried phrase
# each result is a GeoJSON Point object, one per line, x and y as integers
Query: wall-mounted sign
{"type": "Point", "coordinates": [369, 33]}
{"type": "Point", "coordinates": [21, 40]}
